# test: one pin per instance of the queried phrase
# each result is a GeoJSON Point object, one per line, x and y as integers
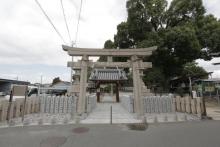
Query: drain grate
{"type": "Point", "coordinates": [53, 142]}
{"type": "Point", "coordinates": [138, 127]}
{"type": "Point", "coordinates": [80, 130]}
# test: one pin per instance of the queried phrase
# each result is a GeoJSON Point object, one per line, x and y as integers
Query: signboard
{"type": "Point", "coordinates": [209, 89]}
{"type": "Point", "coordinates": [217, 86]}
{"type": "Point", "coordinates": [199, 88]}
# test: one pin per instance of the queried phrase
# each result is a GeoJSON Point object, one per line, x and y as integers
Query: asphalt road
{"type": "Point", "coordinates": [189, 134]}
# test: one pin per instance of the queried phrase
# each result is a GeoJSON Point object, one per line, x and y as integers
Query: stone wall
{"type": "Point", "coordinates": [158, 104]}
{"type": "Point", "coordinates": [165, 104]}
{"type": "Point", "coordinates": [188, 105]}
{"type": "Point", "coordinates": [32, 106]}
{"type": "Point", "coordinates": [44, 104]}
{"type": "Point", "coordinates": [57, 104]}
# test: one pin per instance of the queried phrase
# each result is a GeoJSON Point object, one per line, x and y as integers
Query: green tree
{"type": "Point", "coordinates": [208, 30]}
{"type": "Point", "coordinates": [183, 33]}
{"type": "Point", "coordinates": [108, 45]}
{"type": "Point", "coordinates": [181, 12]}
{"type": "Point", "coordinates": [193, 70]}
{"type": "Point", "coordinates": [154, 78]}
{"type": "Point", "coordinates": [122, 38]}
{"type": "Point", "coordinates": [56, 80]}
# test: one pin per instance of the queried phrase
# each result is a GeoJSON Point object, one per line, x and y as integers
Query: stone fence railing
{"type": "Point", "coordinates": [158, 104]}
{"type": "Point", "coordinates": [44, 104]}
{"type": "Point", "coordinates": [127, 102]}
{"type": "Point", "coordinates": [32, 106]}
{"type": "Point", "coordinates": [57, 104]}
{"type": "Point", "coordinates": [188, 105]}
{"type": "Point", "coordinates": [165, 104]}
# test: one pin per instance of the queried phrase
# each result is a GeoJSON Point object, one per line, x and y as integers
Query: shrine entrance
{"type": "Point", "coordinates": [134, 62]}
{"type": "Point", "coordinates": [108, 76]}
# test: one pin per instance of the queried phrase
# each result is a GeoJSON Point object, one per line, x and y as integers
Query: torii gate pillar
{"type": "Point", "coordinates": [83, 85]}
{"type": "Point", "coordinates": [137, 88]}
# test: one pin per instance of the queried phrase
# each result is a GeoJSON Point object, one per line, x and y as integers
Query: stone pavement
{"type": "Point", "coordinates": [213, 109]}
{"type": "Point", "coordinates": [101, 115]}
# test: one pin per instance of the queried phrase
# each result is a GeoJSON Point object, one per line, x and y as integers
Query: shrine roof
{"type": "Point", "coordinates": [108, 75]}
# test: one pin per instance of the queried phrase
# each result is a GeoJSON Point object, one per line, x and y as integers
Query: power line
{"type": "Point", "coordinates": [77, 29]}
{"type": "Point", "coordinates": [64, 16]}
{"type": "Point", "coordinates": [50, 21]}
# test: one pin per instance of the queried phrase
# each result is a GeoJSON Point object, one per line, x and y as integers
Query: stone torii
{"type": "Point", "coordinates": [135, 63]}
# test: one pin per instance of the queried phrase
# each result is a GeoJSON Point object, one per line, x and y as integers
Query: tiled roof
{"type": "Point", "coordinates": [108, 75]}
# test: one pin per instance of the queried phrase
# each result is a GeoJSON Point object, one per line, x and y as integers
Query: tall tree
{"type": "Point", "coordinates": [183, 33]}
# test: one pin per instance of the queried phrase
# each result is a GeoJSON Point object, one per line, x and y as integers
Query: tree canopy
{"type": "Point", "coordinates": [182, 31]}
{"type": "Point", "coordinates": [56, 80]}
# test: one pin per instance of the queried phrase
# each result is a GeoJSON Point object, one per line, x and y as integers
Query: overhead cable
{"type": "Point", "coordinates": [50, 21]}
{"type": "Point", "coordinates": [64, 16]}
{"type": "Point", "coordinates": [77, 29]}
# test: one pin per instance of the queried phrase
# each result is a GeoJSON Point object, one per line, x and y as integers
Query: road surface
{"type": "Point", "coordinates": [187, 134]}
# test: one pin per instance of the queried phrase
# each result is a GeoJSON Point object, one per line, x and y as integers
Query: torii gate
{"type": "Point", "coordinates": [135, 63]}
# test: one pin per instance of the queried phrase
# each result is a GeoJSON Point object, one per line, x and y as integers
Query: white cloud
{"type": "Point", "coordinates": [26, 37]}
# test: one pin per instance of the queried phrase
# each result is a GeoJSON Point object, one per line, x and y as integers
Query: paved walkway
{"type": "Point", "coordinates": [101, 114]}
{"type": "Point", "coordinates": [213, 109]}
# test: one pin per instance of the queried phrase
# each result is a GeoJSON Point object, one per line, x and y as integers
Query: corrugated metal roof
{"type": "Point", "coordinates": [108, 75]}
{"type": "Point", "coordinates": [14, 81]}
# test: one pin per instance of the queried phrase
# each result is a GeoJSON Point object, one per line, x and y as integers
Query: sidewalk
{"type": "Point", "coordinates": [213, 109]}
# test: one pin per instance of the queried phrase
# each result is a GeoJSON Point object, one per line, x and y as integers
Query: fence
{"type": "Point", "coordinates": [165, 104]}
{"type": "Point", "coordinates": [44, 104]}
{"type": "Point", "coordinates": [58, 104]}
{"type": "Point", "coordinates": [158, 104]}
{"type": "Point", "coordinates": [127, 102]}
{"type": "Point", "coordinates": [188, 105]}
{"type": "Point", "coordinates": [32, 106]}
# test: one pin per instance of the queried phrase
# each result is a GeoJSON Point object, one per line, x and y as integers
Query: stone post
{"type": "Point", "coordinates": [202, 106]}
{"type": "Point", "coordinates": [178, 106]}
{"type": "Point", "coordinates": [198, 106]}
{"type": "Point", "coordinates": [138, 104]}
{"type": "Point", "coordinates": [11, 111]}
{"type": "Point", "coordinates": [174, 105]}
{"type": "Point", "coordinates": [18, 107]}
{"type": "Point", "coordinates": [28, 104]}
{"type": "Point", "coordinates": [5, 104]}
{"type": "Point", "coordinates": [188, 104]}
{"type": "Point", "coordinates": [193, 106]}
{"type": "Point", "coordinates": [83, 85]}
{"type": "Point", "coordinates": [183, 106]}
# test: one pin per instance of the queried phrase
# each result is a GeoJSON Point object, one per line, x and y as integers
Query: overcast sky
{"type": "Point", "coordinates": [29, 47]}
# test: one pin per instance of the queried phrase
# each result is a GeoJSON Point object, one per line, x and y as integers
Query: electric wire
{"type": "Point", "coordinates": [64, 16]}
{"type": "Point", "coordinates": [50, 21]}
{"type": "Point", "coordinates": [78, 22]}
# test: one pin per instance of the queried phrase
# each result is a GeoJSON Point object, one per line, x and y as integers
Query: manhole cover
{"type": "Point", "coordinates": [53, 142]}
{"type": "Point", "coordinates": [80, 130]}
{"type": "Point", "coordinates": [138, 127]}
